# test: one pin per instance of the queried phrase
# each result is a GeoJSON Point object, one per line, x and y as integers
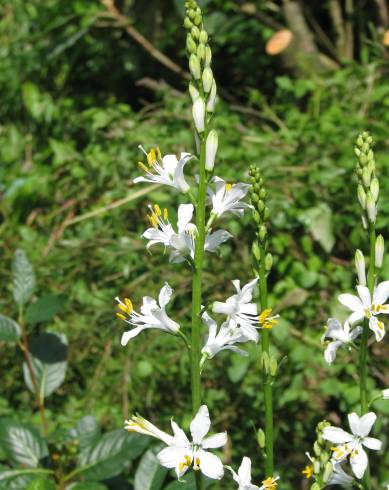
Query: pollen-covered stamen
{"type": "Point", "coordinates": [151, 157]}
{"type": "Point", "coordinates": [270, 483]}
{"type": "Point", "coordinates": [308, 471]}
{"type": "Point", "coordinates": [125, 307]}
{"type": "Point", "coordinates": [228, 186]}
{"type": "Point", "coordinates": [196, 465]}
{"type": "Point", "coordinates": [186, 463]}
{"type": "Point", "coordinates": [266, 320]}
{"type": "Point", "coordinates": [156, 217]}
{"type": "Point", "coordinates": [339, 452]}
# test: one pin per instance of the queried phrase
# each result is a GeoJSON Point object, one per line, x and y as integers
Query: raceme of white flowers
{"type": "Point", "coordinates": [350, 446]}
{"type": "Point", "coordinates": [181, 453]}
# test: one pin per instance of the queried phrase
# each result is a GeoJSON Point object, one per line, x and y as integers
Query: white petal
{"type": "Point", "coordinates": [330, 352]}
{"type": "Point", "coordinates": [247, 290]}
{"type": "Point", "coordinates": [165, 295]}
{"type": "Point", "coordinates": [381, 293]}
{"type": "Point", "coordinates": [364, 294]}
{"type": "Point", "coordinates": [337, 435]}
{"type": "Point", "coordinates": [214, 240]}
{"type": "Point", "coordinates": [185, 213]}
{"type": "Point", "coordinates": [351, 301]}
{"type": "Point", "coordinates": [212, 326]}
{"type": "Point", "coordinates": [174, 457]}
{"type": "Point", "coordinates": [127, 336]}
{"type": "Point", "coordinates": [180, 438]}
{"type": "Point", "coordinates": [372, 443]}
{"type": "Point", "coordinates": [366, 423]}
{"type": "Point", "coordinates": [210, 465]}
{"type": "Point", "coordinates": [215, 441]}
{"type": "Point", "coordinates": [179, 178]}
{"type": "Point", "coordinates": [354, 423]}
{"type": "Point", "coordinates": [244, 471]}
{"type": "Point", "coordinates": [356, 317]}
{"type": "Point", "coordinates": [200, 425]}
{"type": "Point", "coordinates": [223, 308]}
{"type": "Point", "coordinates": [377, 327]}
{"type": "Point", "coordinates": [358, 461]}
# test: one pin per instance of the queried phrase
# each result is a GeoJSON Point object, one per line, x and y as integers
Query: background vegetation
{"type": "Point", "coordinates": [80, 88]}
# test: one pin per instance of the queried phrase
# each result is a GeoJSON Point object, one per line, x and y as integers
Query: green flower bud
{"type": "Point", "coordinates": [194, 93]}
{"type": "Point", "coordinates": [328, 470]}
{"type": "Point", "coordinates": [363, 159]}
{"type": "Point", "coordinates": [266, 213]}
{"type": "Point", "coordinates": [195, 33]}
{"type": "Point", "coordinates": [361, 196]}
{"type": "Point", "coordinates": [197, 20]}
{"type": "Point", "coordinates": [366, 177]}
{"type": "Point", "coordinates": [203, 37]}
{"type": "Point", "coordinates": [316, 448]}
{"type": "Point", "coordinates": [379, 251]}
{"type": "Point", "coordinates": [262, 232]}
{"type": "Point", "coordinates": [370, 156]}
{"type": "Point", "coordinates": [260, 206]}
{"type": "Point", "coordinates": [256, 217]}
{"type": "Point", "coordinates": [360, 141]}
{"type": "Point", "coordinates": [190, 44]}
{"type": "Point", "coordinates": [316, 467]}
{"type": "Point", "coordinates": [211, 149]}
{"type": "Point", "coordinates": [266, 362]}
{"type": "Point", "coordinates": [201, 52]}
{"type": "Point", "coordinates": [255, 198]}
{"type": "Point", "coordinates": [191, 14]}
{"type": "Point", "coordinates": [198, 112]}
{"type": "Point", "coordinates": [188, 24]}
{"type": "Point", "coordinates": [212, 98]}
{"type": "Point", "coordinates": [261, 438]}
{"type": "Point", "coordinates": [268, 262]}
{"type": "Point", "coordinates": [207, 78]}
{"type": "Point", "coordinates": [360, 267]}
{"type": "Point", "coordinates": [371, 207]}
{"type": "Point", "coordinates": [262, 194]}
{"type": "Point", "coordinates": [375, 188]}
{"type": "Point", "coordinates": [256, 251]}
{"type": "Point", "coordinates": [194, 66]}
{"type": "Point", "coordinates": [357, 151]}
{"type": "Point", "coordinates": [273, 366]}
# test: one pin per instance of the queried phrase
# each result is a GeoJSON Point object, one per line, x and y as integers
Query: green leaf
{"type": "Point", "coordinates": [19, 479]}
{"type": "Point", "coordinates": [88, 432]}
{"type": "Point", "coordinates": [45, 308]}
{"type": "Point", "coordinates": [48, 357]}
{"type": "Point", "coordinates": [24, 278]}
{"type": "Point", "coordinates": [189, 483]}
{"type": "Point", "coordinates": [86, 485]}
{"type": "Point", "coordinates": [9, 329]}
{"type": "Point", "coordinates": [111, 454]}
{"type": "Point", "coordinates": [149, 474]}
{"type": "Point", "coordinates": [22, 444]}
{"type": "Point", "coordinates": [41, 484]}
{"type": "Point", "coordinates": [319, 222]}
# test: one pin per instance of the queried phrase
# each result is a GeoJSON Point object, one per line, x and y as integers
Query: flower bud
{"type": "Point", "coordinates": [208, 56]}
{"type": "Point", "coordinates": [371, 208]}
{"type": "Point", "coordinates": [273, 366]}
{"type": "Point", "coordinates": [256, 251]}
{"type": "Point", "coordinates": [365, 223]}
{"type": "Point", "coordinates": [197, 20]}
{"type": "Point", "coordinates": [379, 251]}
{"type": "Point", "coordinates": [316, 448]}
{"type": "Point", "coordinates": [357, 151]}
{"type": "Point", "coordinates": [362, 196]}
{"type": "Point", "coordinates": [195, 33]}
{"type": "Point", "coordinates": [207, 78]}
{"type": "Point", "coordinates": [190, 44]}
{"type": "Point", "coordinates": [261, 438]}
{"type": "Point", "coordinates": [188, 24]}
{"type": "Point", "coordinates": [360, 267]}
{"type": "Point", "coordinates": [191, 14]}
{"type": "Point", "coordinates": [366, 177]}
{"type": "Point", "coordinates": [262, 233]}
{"type": "Point", "coordinates": [328, 470]}
{"type": "Point", "coordinates": [194, 93]}
{"type": "Point", "coordinates": [210, 150]}
{"type": "Point", "coordinates": [212, 98]}
{"type": "Point", "coordinates": [194, 66]}
{"type": "Point", "coordinates": [375, 188]}
{"type": "Point", "coordinates": [203, 37]}
{"type": "Point", "coordinates": [198, 112]}
{"type": "Point", "coordinates": [268, 262]}
{"type": "Point", "coordinates": [201, 52]}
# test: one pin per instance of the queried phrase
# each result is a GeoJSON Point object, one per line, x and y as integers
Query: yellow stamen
{"type": "Point", "coordinates": [151, 157]}
{"type": "Point", "coordinates": [157, 210]}
{"type": "Point", "coordinates": [159, 153]}
{"type": "Point", "coordinates": [270, 483]}
{"type": "Point", "coordinates": [266, 320]}
{"type": "Point", "coordinates": [153, 220]}
{"type": "Point", "coordinates": [165, 214]}
{"type": "Point", "coordinates": [196, 466]}
{"type": "Point", "coordinates": [380, 325]}
{"type": "Point", "coordinates": [228, 187]}
{"type": "Point", "coordinates": [338, 452]}
{"type": "Point", "coordinates": [143, 166]}
{"type": "Point", "coordinates": [121, 316]}
{"type": "Point", "coordinates": [308, 471]}
{"type": "Point", "coordinates": [183, 465]}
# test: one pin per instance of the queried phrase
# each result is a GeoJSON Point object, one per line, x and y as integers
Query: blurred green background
{"type": "Point", "coordinates": [80, 89]}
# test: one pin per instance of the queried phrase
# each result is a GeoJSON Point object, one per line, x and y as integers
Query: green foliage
{"type": "Point", "coordinates": [9, 329]}
{"type": "Point", "coordinates": [149, 474]}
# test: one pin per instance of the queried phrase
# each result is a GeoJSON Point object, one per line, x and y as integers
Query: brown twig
{"type": "Point", "coordinates": [123, 21]}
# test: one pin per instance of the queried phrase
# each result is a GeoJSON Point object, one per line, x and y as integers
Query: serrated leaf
{"type": "Point", "coordinates": [112, 454]}
{"type": "Point", "coordinates": [9, 329]}
{"type": "Point", "coordinates": [45, 308]}
{"type": "Point", "coordinates": [149, 474]}
{"type": "Point", "coordinates": [48, 357]}
{"type": "Point", "coordinates": [23, 278]}
{"type": "Point", "coordinates": [22, 444]}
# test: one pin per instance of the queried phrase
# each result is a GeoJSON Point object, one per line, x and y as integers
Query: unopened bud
{"type": "Point", "coordinates": [360, 267]}
{"type": "Point", "coordinates": [366, 177]}
{"type": "Point", "coordinates": [211, 149]}
{"type": "Point", "coordinates": [261, 438]}
{"type": "Point", "coordinates": [198, 112]}
{"type": "Point", "coordinates": [207, 78]}
{"type": "Point", "coordinates": [195, 33]}
{"type": "Point", "coordinates": [316, 448]}
{"type": "Point", "coordinates": [212, 98]}
{"type": "Point", "coordinates": [194, 93]}
{"type": "Point", "coordinates": [256, 251]}
{"type": "Point", "coordinates": [262, 233]}
{"type": "Point", "coordinates": [364, 222]}
{"type": "Point", "coordinates": [273, 366]}
{"type": "Point", "coordinates": [197, 20]}
{"type": "Point", "coordinates": [362, 196]}
{"type": "Point", "coordinates": [208, 56]}
{"type": "Point", "coordinates": [360, 141]}
{"type": "Point", "coordinates": [315, 486]}
{"type": "Point", "coordinates": [357, 151]}
{"type": "Point", "coordinates": [379, 251]}
{"type": "Point", "coordinates": [188, 24]}
{"type": "Point", "coordinates": [201, 52]}
{"type": "Point", "coordinates": [375, 188]}
{"type": "Point", "coordinates": [328, 470]}
{"type": "Point", "coordinates": [194, 66]}
{"type": "Point", "coordinates": [190, 44]}
{"type": "Point", "coordinates": [191, 14]}
{"type": "Point", "coordinates": [268, 262]}
{"type": "Point", "coordinates": [203, 37]}
{"type": "Point", "coordinates": [371, 208]}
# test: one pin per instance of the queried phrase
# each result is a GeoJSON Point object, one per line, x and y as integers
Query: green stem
{"type": "Point", "coordinates": [363, 356]}
{"type": "Point", "coordinates": [267, 385]}
{"type": "Point", "coordinates": [197, 292]}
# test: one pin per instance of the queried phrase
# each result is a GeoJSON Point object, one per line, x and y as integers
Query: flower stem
{"type": "Point", "coordinates": [363, 356]}
{"type": "Point", "coordinates": [197, 292]}
{"type": "Point", "coordinates": [267, 385]}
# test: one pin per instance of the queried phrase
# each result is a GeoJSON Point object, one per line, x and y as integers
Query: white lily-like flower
{"type": "Point", "coordinates": [152, 315]}
{"type": "Point", "coordinates": [341, 335]}
{"type": "Point", "coordinates": [351, 445]}
{"type": "Point", "coordinates": [240, 311]}
{"type": "Point", "coordinates": [181, 243]}
{"type": "Point", "coordinates": [340, 477]}
{"type": "Point", "coordinates": [167, 170]}
{"type": "Point", "coordinates": [364, 306]}
{"type": "Point", "coordinates": [226, 198]}
{"type": "Point", "coordinates": [224, 339]}
{"type": "Point", "coordinates": [243, 477]}
{"type": "Point", "coordinates": [181, 453]}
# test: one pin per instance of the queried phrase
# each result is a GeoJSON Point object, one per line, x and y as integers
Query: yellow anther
{"type": "Point", "coordinates": [159, 153]}
{"type": "Point", "coordinates": [266, 320]}
{"type": "Point", "coordinates": [264, 315]}
{"type": "Point", "coordinates": [228, 187]}
{"type": "Point", "coordinates": [128, 303]}
{"type": "Point", "coordinates": [143, 166]}
{"type": "Point", "coordinates": [151, 157]}
{"type": "Point", "coordinates": [165, 214]}
{"type": "Point", "coordinates": [308, 471]}
{"type": "Point", "coordinates": [338, 452]}
{"type": "Point", "coordinates": [184, 464]}
{"type": "Point", "coordinates": [157, 210]}
{"type": "Point", "coordinates": [153, 220]}
{"type": "Point", "coordinates": [121, 316]}
{"type": "Point", "coordinates": [380, 325]}
{"type": "Point", "coordinates": [270, 483]}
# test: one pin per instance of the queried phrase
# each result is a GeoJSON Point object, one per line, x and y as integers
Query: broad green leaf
{"type": "Point", "coordinates": [19, 479]}
{"type": "Point", "coordinates": [48, 357]}
{"type": "Point", "coordinates": [32, 99]}
{"type": "Point", "coordinates": [45, 308]}
{"type": "Point", "coordinates": [24, 278]}
{"type": "Point", "coordinates": [88, 432]}
{"type": "Point", "coordinates": [149, 474]}
{"type": "Point", "coordinates": [319, 222]}
{"type": "Point", "coordinates": [86, 485]}
{"type": "Point", "coordinates": [41, 484]}
{"type": "Point", "coordinates": [22, 444]}
{"type": "Point", "coordinates": [189, 483]}
{"type": "Point", "coordinates": [9, 329]}
{"type": "Point", "coordinates": [112, 454]}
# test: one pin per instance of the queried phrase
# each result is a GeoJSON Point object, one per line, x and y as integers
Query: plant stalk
{"type": "Point", "coordinates": [267, 384]}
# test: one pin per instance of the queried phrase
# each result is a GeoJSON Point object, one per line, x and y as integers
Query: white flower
{"type": "Point", "coordinates": [239, 309]}
{"type": "Point", "coordinates": [342, 337]}
{"type": "Point", "coordinates": [152, 315]}
{"type": "Point", "coordinates": [340, 477]}
{"type": "Point", "coordinates": [243, 477]}
{"type": "Point", "coordinates": [181, 453]}
{"type": "Point", "coordinates": [385, 394]}
{"type": "Point", "coordinates": [226, 197]}
{"type": "Point", "coordinates": [224, 339]}
{"type": "Point", "coordinates": [351, 445]}
{"type": "Point", "coordinates": [198, 113]}
{"type": "Point", "coordinates": [362, 306]}
{"type": "Point", "coordinates": [181, 243]}
{"type": "Point", "coordinates": [167, 170]}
